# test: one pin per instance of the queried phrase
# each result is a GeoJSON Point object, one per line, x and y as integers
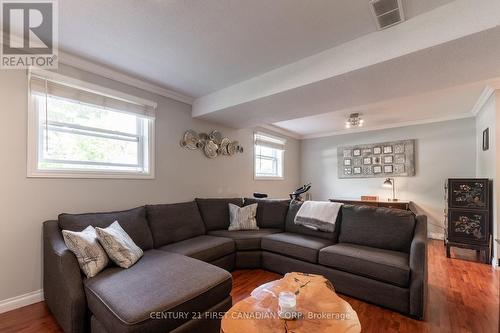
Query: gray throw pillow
{"type": "Point", "coordinates": [118, 245]}
{"type": "Point", "coordinates": [84, 244]}
{"type": "Point", "coordinates": [242, 218]}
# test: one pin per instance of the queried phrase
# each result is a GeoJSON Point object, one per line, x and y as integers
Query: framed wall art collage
{"type": "Point", "coordinates": [385, 159]}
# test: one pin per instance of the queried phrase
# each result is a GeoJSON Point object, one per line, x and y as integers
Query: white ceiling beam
{"type": "Point", "coordinates": [281, 131]}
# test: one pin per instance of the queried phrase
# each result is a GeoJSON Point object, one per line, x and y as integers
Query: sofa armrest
{"type": "Point", "coordinates": [418, 268]}
{"type": "Point", "coordinates": [62, 281]}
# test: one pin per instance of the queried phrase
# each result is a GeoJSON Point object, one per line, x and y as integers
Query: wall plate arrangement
{"type": "Point", "coordinates": [385, 159]}
{"type": "Point", "coordinates": [212, 144]}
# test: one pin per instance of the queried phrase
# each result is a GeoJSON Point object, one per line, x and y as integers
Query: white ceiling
{"type": "Point", "coordinates": [300, 66]}
{"type": "Point", "coordinates": [439, 105]}
{"type": "Point", "coordinates": [452, 46]}
{"type": "Point", "coordinates": [197, 47]}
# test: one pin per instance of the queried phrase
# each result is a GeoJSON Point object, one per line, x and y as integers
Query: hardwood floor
{"type": "Point", "coordinates": [463, 297]}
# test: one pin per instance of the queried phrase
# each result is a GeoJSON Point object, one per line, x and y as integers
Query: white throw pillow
{"type": "Point", "coordinates": [91, 256]}
{"type": "Point", "coordinates": [118, 244]}
{"type": "Point", "coordinates": [243, 218]}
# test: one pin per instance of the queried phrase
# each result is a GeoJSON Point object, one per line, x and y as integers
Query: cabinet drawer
{"type": "Point", "coordinates": [468, 226]}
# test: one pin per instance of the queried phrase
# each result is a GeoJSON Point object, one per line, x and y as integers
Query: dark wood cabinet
{"type": "Point", "coordinates": [469, 211]}
{"type": "Point", "coordinates": [405, 205]}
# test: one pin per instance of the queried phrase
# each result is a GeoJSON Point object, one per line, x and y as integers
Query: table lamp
{"type": "Point", "coordinates": [390, 183]}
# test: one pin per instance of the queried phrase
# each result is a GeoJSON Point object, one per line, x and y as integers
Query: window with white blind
{"type": "Point", "coordinates": [269, 156]}
{"type": "Point", "coordinates": [80, 130]}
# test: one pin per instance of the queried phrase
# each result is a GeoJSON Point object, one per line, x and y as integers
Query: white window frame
{"type": "Point", "coordinates": [282, 152]}
{"type": "Point", "coordinates": [34, 154]}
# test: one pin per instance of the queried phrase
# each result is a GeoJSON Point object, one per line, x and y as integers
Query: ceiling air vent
{"type": "Point", "coordinates": [387, 12]}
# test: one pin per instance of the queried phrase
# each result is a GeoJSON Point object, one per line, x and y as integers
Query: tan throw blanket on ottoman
{"type": "Point", "coordinates": [318, 215]}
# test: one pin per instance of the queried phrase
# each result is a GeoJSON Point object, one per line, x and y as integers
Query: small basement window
{"type": "Point", "coordinates": [79, 130]}
{"type": "Point", "coordinates": [269, 156]}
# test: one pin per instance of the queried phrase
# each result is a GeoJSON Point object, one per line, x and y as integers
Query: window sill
{"type": "Point", "coordinates": [268, 178]}
{"type": "Point", "coordinates": [88, 175]}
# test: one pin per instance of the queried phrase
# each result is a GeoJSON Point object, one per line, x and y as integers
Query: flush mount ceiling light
{"type": "Point", "coordinates": [354, 120]}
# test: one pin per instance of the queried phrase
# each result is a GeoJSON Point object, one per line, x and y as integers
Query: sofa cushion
{"type": "Point", "coordinates": [133, 221]}
{"type": "Point", "coordinates": [172, 223]}
{"type": "Point", "coordinates": [295, 245]}
{"type": "Point", "coordinates": [383, 228]}
{"type": "Point", "coordinates": [290, 225]}
{"type": "Point", "coordinates": [205, 248]}
{"type": "Point", "coordinates": [118, 245]}
{"type": "Point", "coordinates": [271, 213]}
{"type": "Point", "coordinates": [383, 265]}
{"type": "Point", "coordinates": [90, 254]}
{"type": "Point", "coordinates": [242, 218]}
{"type": "Point", "coordinates": [245, 240]}
{"type": "Point", "coordinates": [215, 212]}
{"type": "Point", "coordinates": [123, 299]}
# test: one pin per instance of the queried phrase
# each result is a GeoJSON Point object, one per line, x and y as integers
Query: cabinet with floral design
{"type": "Point", "coordinates": [469, 215]}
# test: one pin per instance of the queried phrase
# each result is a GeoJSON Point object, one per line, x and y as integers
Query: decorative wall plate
{"type": "Point", "coordinates": [231, 148]}
{"type": "Point", "coordinates": [212, 144]}
{"type": "Point", "coordinates": [216, 137]}
{"type": "Point", "coordinates": [190, 140]}
{"type": "Point", "coordinates": [210, 149]}
{"type": "Point", "coordinates": [223, 146]}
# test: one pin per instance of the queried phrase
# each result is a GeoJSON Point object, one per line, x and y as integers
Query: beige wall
{"type": "Point", "coordinates": [180, 175]}
{"type": "Point", "coordinates": [443, 150]}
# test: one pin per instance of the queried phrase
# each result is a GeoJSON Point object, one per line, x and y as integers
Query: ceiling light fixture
{"type": "Point", "coordinates": [354, 120]}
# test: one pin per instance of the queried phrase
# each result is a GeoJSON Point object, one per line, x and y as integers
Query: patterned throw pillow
{"type": "Point", "coordinates": [118, 244]}
{"type": "Point", "coordinates": [243, 218]}
{"type": "Point", "coordinates": [91, 256]}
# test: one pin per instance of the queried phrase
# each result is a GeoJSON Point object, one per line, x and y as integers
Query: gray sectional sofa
{"type": "Point", "coordinates": [375, 254]}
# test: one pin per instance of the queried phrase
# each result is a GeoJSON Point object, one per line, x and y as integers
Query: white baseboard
{"type": "Point", "coordinates": [21, 300]}
{"type": "Point", "coordinates": [435, 235]}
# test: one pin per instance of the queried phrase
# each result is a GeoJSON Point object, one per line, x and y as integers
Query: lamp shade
{"type": "Point", "coordinates": [388, 183]}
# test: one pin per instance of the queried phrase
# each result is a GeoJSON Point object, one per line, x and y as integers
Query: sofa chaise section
{"type": "Point", "coordinates": [148, 296]}
{"type": "Point", "coordinates": [67, 290]}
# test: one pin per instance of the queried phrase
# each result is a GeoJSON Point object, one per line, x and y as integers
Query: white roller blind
{"type": "Point", "coordinates": [47, 87]}
{"type": "Point", "coordinates": [270, 141]}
